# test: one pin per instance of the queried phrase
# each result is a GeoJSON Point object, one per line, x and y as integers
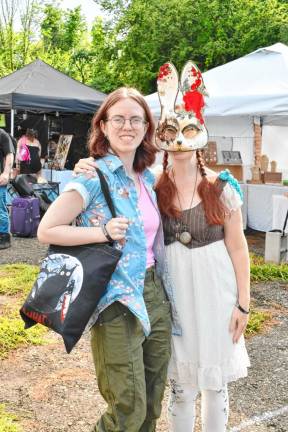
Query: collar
{"type": "Point", "coordinates": [113, 163]}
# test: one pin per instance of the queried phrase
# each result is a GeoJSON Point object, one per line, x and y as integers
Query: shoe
{"type": "Point", "coordinates": [5, 240]}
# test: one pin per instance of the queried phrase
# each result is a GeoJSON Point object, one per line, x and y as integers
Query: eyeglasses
{"type": "Point", "coordinates": [118, 122]}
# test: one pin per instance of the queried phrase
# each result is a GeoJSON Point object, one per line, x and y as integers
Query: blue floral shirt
{"type": "Point", "coordinates": [127, 282]}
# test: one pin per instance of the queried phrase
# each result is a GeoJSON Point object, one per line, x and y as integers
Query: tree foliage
{"type": "Point", "coordinates": [211, 32]}
{"type": "Point", "coordinates": [134, 38]}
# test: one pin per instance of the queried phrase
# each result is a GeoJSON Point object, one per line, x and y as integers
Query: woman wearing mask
{"type": "Point", "coordinates": [131, 327]}
{"type": "Point", "coordinates": [207, 256]}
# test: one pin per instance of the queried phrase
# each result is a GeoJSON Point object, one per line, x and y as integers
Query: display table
{"type": "Point", "coordinates": [260, 205]}
{"type": "Point", "coordinates": [63, 177]}
{"type": "Point", "coordinates": [280, 209]}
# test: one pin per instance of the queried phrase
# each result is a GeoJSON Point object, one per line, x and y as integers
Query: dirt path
{"type": "Point", "coordinates": [51, 391]}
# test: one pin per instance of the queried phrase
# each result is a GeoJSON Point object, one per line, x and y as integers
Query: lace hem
{"type": "Point", "coordinates": [210, 377]}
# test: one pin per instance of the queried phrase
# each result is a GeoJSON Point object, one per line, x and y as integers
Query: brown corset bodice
{"type": "Point", "coordinates": [194, 221]}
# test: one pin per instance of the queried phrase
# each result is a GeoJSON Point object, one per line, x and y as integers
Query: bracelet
{"type": "Point", "coordinates": [242, 309]}
{"type": "Point", "coordinates": [106, 234]}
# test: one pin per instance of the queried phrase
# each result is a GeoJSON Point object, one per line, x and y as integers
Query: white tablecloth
{"type": "Point", "coordinates": [280, 208]}
{"type": "Point", "coordinates": [260, 205]}
{"type": "Point", "coordinates": [63, 177]}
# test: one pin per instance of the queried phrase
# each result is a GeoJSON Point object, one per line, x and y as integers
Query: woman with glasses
{"type": "Point", "coordinates": [131, 327]}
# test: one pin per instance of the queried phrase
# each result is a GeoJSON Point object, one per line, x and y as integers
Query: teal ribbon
{"type": "Point", "coordinates": [228, 177]}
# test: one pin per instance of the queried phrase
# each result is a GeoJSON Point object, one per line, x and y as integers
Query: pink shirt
{"type": "Point", "coordinates": [151, 221]}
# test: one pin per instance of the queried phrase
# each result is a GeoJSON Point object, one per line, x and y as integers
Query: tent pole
{"type": "Point", "coordinates": [12, 122]}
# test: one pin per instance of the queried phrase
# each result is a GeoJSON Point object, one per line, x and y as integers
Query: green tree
{"type": "Point", "coordinates": [74, 28]}
{"type": "Point", "coordinates": [52, 27]}
{"type": "Point", "coordinates": [211, 32]}
{"type": "Point", "coordinates": [64, 34]}
{"type": "Point", "coordinates": [16, 45]}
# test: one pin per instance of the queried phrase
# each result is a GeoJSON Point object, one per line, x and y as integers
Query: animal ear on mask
{"type": "Point", "coordinates": [193, 90]}
{"type": "Point", "coordinates": [168, 88]}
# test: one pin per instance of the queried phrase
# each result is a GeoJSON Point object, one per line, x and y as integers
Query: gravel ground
{"type": "Point", "coordinates": [51, 391]}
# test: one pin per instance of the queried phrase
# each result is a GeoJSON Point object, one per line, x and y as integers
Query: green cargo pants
{"type": "Point", "coordinates": [131, 369]}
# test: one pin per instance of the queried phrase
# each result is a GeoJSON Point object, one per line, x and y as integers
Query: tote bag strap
{"type": "Point", "coordinates": [106, 193]}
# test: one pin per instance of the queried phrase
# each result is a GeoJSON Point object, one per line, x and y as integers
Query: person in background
{"type": "Point", "coordinates": [131, 327]}
{"type": "Point", "coordinates": [208, 260]}
{"type": "Point", "coordinates": [29, 153]}
{"type": "Point", "coordinates": [6, 163]}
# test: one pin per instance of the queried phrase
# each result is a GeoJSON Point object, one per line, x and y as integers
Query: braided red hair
{"type": "Point", "coordinates": [209, 192]}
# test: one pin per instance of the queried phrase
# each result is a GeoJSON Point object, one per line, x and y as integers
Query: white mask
{"type": "Point", "coordinates": [181, 128]}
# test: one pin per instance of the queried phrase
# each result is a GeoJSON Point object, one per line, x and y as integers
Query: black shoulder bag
{"type": "Point", "coordinates": [71, 281]}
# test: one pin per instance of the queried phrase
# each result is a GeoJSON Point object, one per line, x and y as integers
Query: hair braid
{"type": "Point", "coordinates": [210, 193]}
{"type": "Point", "coordinates": [165, 161]}
{"type": "Point", "coordinates": [166, 191]}
{"type": "Point", "coordinates": [201, 163]}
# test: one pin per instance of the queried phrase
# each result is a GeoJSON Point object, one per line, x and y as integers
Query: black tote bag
{"type": "Point", "coordinates": [71, 281]}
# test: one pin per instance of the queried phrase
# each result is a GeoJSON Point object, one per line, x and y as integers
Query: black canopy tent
{"type": "Point", "coordinates": [42, 95]}
{"type": "Point", "coordinates": [39, 87]}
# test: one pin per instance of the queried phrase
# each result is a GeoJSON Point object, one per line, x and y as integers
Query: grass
{"type": "Point", "coordinates": [16, 281]}
{"type": "Point", "coordinates": [265, 272]}
{"type": "Point", "coordinates": [8, 421]}
{"type": "Point", "coordinates": [257, 321]}
{"type": "Point", "coordinates": [17, 278]}
{"type": "Point", "coordinates": [13, 335]}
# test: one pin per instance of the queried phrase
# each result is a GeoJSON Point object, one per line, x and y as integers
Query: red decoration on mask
{"type": "Point", "coordinates": [194, 101]}
{"type": "Point", "coordinates": [164, 71]}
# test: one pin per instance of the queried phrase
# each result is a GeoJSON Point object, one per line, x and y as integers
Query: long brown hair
{"type": "Point", "coordinates": [209, 192]}
{"type": "Point", "coordinates": [98, 143]}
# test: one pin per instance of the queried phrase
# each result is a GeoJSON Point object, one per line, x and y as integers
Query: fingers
{"type": "Point", "coordinates": [233, 324]}
{"type": "Point", "coordinates": [237, 325]}
{"type": "Point", "coordinates": [117, 227]}
{"type": "Point", "coordinates": [84, 165]}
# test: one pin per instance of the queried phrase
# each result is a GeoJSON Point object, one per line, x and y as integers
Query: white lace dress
{"type": "Point", "coordinates": [205, 294]}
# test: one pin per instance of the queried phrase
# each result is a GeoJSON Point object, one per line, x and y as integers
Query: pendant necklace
{"type": "Point", "coordinates": [184, 235]}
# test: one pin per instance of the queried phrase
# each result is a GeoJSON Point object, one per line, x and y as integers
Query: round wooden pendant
{"type": "Point", "coordinates": [185, 237]}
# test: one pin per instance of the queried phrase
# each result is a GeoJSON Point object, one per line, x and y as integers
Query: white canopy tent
{"type": "Point", "coordinates": [250, 89]}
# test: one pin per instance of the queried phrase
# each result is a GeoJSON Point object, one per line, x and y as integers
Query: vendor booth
{"type": "Point", "coordinates": [246, 115]}
{"type": "Point", "coordinates": [42, 98]}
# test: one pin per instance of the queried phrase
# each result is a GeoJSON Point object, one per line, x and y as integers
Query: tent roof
{"type": "Point", "coordinates": [39, 86]}
{"type": "Point", "coordinates": [256, 84]}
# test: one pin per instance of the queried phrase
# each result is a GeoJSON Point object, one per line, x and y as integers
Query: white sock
{"type": "Point", "coordinates": [181, 407]}
{"type": "Point", "coordinates": [214, 410]}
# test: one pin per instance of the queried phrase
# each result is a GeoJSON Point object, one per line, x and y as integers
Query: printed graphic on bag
{"type": "Point", "coordinates": [57, 271]}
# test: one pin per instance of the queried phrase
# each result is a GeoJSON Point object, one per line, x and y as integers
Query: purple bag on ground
{"type": "Point", "coordinates": [25, 216]}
